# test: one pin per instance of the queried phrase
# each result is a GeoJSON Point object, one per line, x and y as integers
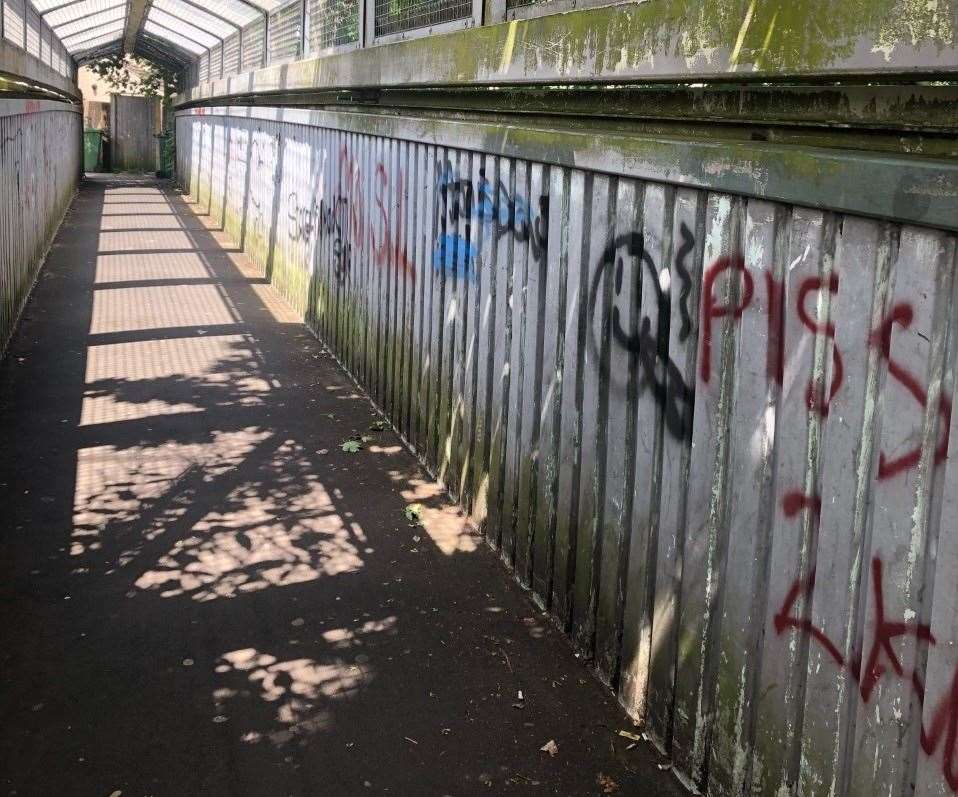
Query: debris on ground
{"type": "Point", "coordinates": [351, 446]}
{"type": "Point", "coordinates": [378, 426]}
{"type": "Point", "coordinates": [414, 513]}
{"type": "Point", "coordinates": [550, 747]}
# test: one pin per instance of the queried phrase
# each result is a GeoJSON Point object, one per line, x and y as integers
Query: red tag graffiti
{"type": "Point", "coordinates": [710, 310]}
{"type": "Point", "coordinates": [903, 315]}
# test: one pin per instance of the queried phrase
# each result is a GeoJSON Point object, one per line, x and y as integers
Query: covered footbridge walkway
{"type": "Point", "coordinates": [500, 397]}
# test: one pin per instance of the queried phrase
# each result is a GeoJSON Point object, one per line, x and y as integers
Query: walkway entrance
{"type": "Point", "coordinates": [204, 594]}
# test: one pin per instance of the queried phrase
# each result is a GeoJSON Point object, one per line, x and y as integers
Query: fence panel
{"type": "Point", "coordinates": [38, 176]}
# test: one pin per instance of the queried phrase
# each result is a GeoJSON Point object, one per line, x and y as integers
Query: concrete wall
{"type": "Point", "coordinates": [708, 431]}
{"type": "Point", "coordinates": [132, 128]}
{"type": "Point", "coordinates": [39, 168]}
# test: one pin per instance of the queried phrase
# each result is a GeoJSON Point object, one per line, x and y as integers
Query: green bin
{"type": "Point", "coordinates": [93, 150]}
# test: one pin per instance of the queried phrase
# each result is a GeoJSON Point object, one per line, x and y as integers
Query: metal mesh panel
{"type": "Point", "coordinates": [204, 67]}
{"type": "Point", "coordinates": [45, 42]}
{"type": "Point", "coordinates": [252, 46]}
{"type": "Point", "coordinates": [216, 62]}
{"type": "Point", "coordinates": [13, 21]}
{"type": "Point", "coordinates": [231, 55]}
{"type": "Point", "coordinates": [33, 32]}
{"type": "Point", "coordinates": [332, 23]}
{"type": "Point", "coordinates": [285, 32]}
{"type": "Point", "coordinates": [395, 16]}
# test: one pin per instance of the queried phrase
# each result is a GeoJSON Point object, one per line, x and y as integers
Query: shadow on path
{"type": "Point", "coordinates": [202, 594]}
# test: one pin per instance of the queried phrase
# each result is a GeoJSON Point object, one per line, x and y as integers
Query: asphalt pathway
{"type": "Point", "coordinates": [201, 593]}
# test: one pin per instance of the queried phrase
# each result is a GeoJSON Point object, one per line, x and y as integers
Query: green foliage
{"type": "Point", "coordinates": [137, 76]}
{"type": "Point", "coordinates": [351, 446]}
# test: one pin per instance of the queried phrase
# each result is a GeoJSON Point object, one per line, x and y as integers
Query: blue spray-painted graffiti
{"type": "Point", "coordinates": [492, 206]}
{"type": "Point", "coordinates": [454, 255]}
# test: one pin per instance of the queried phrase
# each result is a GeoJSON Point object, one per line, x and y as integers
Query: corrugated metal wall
{"type": "Point", "coordinates": [709, 432]}
{"type": "Point", "coordinates": [39, 166]}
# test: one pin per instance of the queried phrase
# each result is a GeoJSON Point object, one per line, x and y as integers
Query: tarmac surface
{"type": "Point", "coordinates": [202, 593]}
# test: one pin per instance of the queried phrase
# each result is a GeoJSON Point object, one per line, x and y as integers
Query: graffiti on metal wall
{"type": "Point", "coordinates": [690, 328]}
{"type": "Point", "coordinates": [492, 206]}
{"type": "Point", "coordinates": [647, 339]}
{"type": "Point", "coordinates": [349, 224]}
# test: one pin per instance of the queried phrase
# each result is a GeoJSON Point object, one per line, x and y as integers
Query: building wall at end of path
{"type": "Point", "coordinates": [39, 169]}
{"type": "Point", "coordinates": [697, 395]}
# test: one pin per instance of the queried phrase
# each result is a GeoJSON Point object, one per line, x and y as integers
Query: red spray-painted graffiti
{"type": "Point", "coordinates": [389, 250]}
{"type": "Point", "coordinates": [901, 314]}
{"type": "Point", "coordinates": [881, 658]}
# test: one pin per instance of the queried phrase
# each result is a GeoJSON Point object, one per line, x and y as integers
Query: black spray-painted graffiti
{"type": "Point", "coordinates": [491, 206]}
{"type": "Point", "coordinates": [650, 347]}
{"type": "Point", "coordinates": [331, 220]}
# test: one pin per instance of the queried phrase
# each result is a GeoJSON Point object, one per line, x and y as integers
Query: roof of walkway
{"type": "Point", "coordinates": [170, 32]}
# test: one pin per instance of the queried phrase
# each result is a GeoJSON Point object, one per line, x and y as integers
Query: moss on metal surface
{"type": "Point", "coordinates": [654, 40]}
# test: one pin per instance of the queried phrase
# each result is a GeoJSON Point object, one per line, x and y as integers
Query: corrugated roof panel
{"type": "Point", "coordinates": [83, 41]}
{"type": "Point", "coordinates": [100, 18]}
{"type": "Point", "coordinates": [233, 10]}
{"type": "Point", "coordinates": [200, 19]}
{"type": "Point", "coordinates": [101, 41]}
{"type": "Point", "coordinates": [181, 41]}
{"type": "Point", "coordinates": [78, 11]}
{"type": "Point", "coordinates": [189, 31]}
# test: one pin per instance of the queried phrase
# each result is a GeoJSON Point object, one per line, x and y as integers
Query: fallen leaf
{"type": "Point", "coordinates": [550, 747]}
{"type": "Point", "coordinates": [607, 784]}
{"type": "Point", "coordinates": [378, 426]}
{"type": "Point", "coordinates": [351, 446]}
{"type": "Point", "coordinates": [629, 735]}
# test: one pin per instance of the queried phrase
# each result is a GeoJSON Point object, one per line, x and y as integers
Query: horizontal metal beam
{"type": "Point", "coordinates": [908, 189]}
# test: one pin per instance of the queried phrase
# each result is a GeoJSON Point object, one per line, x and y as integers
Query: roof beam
{"type": "Point", "coordinates": [134, 23]}
{"type": "Point", "coordinates": [103, 23]}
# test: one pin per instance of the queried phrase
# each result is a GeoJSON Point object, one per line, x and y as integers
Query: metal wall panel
{"type": "Point", "coordinates": [707, 430]}
{"type": "Point", "coordinates": [38, 175]}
